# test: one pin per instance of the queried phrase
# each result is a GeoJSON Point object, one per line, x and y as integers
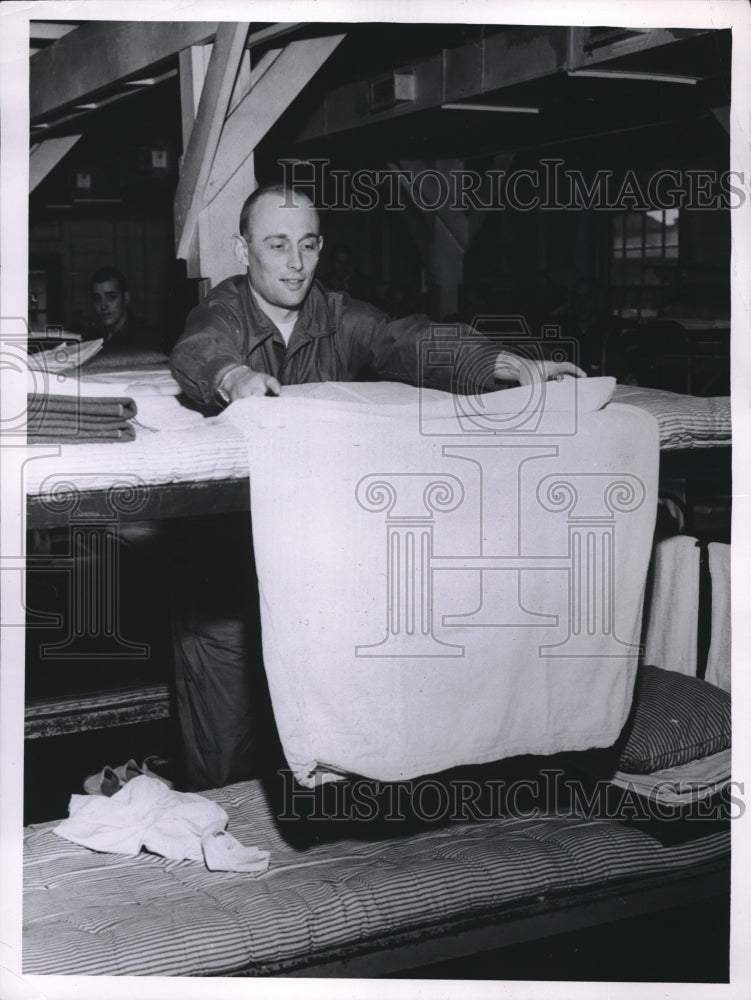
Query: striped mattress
{"type": "Point", "coordinates": [88, 913]}
{"type": "Point", "coordinates": [685, 421]}
{"type": "Point", "coordinates": [210, 450]}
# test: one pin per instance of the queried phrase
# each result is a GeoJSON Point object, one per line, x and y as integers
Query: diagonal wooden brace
{"type": "Point", "coordinates": [270, 96]}
{"type": "Point", "coordinates": [205, 134]}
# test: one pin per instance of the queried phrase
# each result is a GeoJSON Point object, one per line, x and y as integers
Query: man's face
{"type": "Point", "coordinates": [281, 250]}
{"type": "Point", "coordinates": [110, 302]}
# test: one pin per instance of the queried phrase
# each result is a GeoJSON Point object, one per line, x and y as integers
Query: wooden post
{"type": "Point", "coordinates": [209, 255]}
{"type": "Point", "coordinates": [445, 234]}
{"type": "Point", "coordinates": [219, 175]}
{"type": "Point", "coordinates": [445, 270]}
{"type": "Point", "coordinates": [207, 128]}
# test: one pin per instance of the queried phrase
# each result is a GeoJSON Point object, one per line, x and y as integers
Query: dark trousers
{"type": "Point", "coordinates": [223, 704]}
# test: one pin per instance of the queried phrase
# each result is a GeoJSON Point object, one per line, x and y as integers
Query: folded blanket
{"type": "Point", "coordinates": [447, 580]}
{"type": "Point", "coordinates": [76, 419]}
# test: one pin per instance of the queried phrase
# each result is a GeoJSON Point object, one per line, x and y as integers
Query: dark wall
{"type": "Point", "coordinates": [70, 250]}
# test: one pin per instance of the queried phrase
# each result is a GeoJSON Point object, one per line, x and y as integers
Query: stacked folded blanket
{"type": "Point", "coordinates": [77, 419]}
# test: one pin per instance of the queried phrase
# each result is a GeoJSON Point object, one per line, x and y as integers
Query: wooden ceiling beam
{"type": "Point", "coordinates": [583, 52]}
{"type": "Point", "coordinates": [46, 155]}
{"type": "Point", "coordinates": [49, 31]}
{"type": "Point", "coordinates": [93, 56]}
{"type": "Point", "coordinates": [97, 55]}
{"type": "Point", "coordinates": [457, 74]}
{"type": "Point", "coordinates": [490, 63]}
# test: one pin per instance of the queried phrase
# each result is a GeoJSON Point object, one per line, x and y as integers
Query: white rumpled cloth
{"type": "Point", "coordinates": [447, 580]}
{"type": "Point", "coordinates": [146, 814]}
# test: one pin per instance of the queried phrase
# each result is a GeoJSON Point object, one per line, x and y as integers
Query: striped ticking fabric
{"type": "Point", "coordinates": [675, 719]}
{"type": "Point", "coordinates": [217, 451]}
{"type": "Point", "coordinates": [90, 913]}
{"type": "Point", "coordinates": [685, 422]}
{"type": "Point", "coordinates": [200, 454]}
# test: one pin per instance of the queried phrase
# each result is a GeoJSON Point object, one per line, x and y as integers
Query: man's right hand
{"type": "Point", "coordinates": [242, 382]}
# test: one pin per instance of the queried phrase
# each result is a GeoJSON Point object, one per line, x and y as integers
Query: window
{"type": "Point", "coordinates": [644, 261]}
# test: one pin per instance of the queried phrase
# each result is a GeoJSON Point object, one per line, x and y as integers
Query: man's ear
{"type": "Point", "coordinates": [240, 250]}
{"type": "Point", "coordinates": [126, 298]}
{"type": "Point", "coordinates": [320, 243]}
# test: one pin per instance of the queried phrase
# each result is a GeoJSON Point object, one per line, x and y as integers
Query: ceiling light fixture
{"type": "Point", "coordinates": [624, 74]}
{"type": "Point", "coordinates": [509, 108]}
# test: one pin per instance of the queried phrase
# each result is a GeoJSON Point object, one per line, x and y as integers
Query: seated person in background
{"type": "Point", "coordinates": [399, 299]}
{"type": "Point", "coordinates": [272, 325]}
{"type": "Point", "coordinates": [125, 337]}
{"type": "Point", "coordinates": [473, 301]}
{"type": "Point", "coordinates": [343, 276]}
{"type": "Point", "coordinates": [585, 318]}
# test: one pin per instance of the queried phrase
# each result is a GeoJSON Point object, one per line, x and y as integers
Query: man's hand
{"type": "Point", "coordinates": [242, 382]}
{"type": "Point", "coordinates": [527, 371]}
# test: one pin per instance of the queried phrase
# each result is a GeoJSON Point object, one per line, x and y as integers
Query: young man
{"type": "Point", "coordinates": [121, 332]}
{"type": "Point", "coordinates": [276, 325]}
{"type": "Point", "coordinates": [253, 333]}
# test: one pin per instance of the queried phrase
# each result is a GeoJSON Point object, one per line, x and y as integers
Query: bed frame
{"type": "Point", "coordinates": [536, 921]}
{"type": "Point", "coordinates": [605, 895]}
{"type": "Point", "coordinates": [357, 900]}
{"type": "Point", "coordinates": [687, 477]}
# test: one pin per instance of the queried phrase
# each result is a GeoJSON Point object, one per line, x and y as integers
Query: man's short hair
{"type": "Point", "coordinates": [110, 274]}
{"type": "Point", "coordinates": [287, 197]}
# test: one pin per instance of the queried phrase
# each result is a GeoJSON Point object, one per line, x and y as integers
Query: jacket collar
{"type": "Point", "coordinates": [314, 318]}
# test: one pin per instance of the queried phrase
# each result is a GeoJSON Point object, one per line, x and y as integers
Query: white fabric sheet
{"type": "Point", "coordinates": [672, 625]}
{"type": "Point", "coordinates": [718, 661]}
{"type": "Point", "coordinates": [448, 580]}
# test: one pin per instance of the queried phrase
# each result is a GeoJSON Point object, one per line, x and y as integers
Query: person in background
{"type": "Point", "coordinates": [123, 334]}
{"type": "Point", "coordinates": [585, 318]}
{"type": "Point", "coordinates": [343, 276]}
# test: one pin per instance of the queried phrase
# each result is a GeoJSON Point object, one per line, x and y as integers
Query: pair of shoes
{"type": "Point", "coordinates": [106, 782]}
{"type": "Point", "coordinates": [157, 767]}
{"type": "Point", "coordinates": [126, 772]}
{"type": "Point", "coordinates": [111, 779]}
